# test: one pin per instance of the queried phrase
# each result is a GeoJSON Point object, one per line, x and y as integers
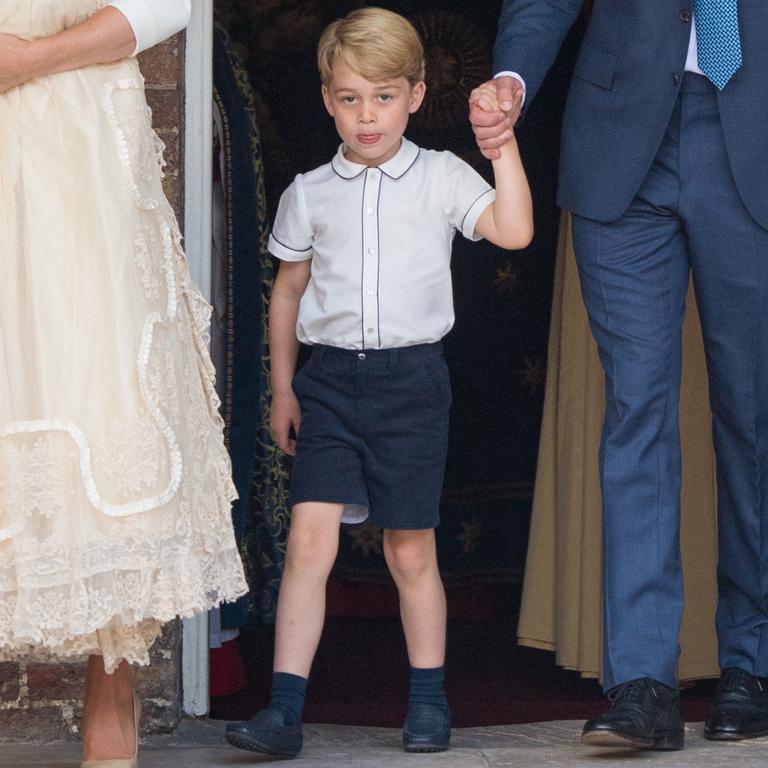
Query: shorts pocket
{"type": "Point", "coordinates": [439, 379]}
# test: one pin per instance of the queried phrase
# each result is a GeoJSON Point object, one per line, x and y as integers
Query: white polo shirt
{"type": "Point", "coordinates": [380, 242]}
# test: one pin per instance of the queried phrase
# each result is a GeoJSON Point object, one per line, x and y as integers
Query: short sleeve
{"type": "Point", "coordinates": [291, 237]}
{"type": "Point", "coordinates": [467, 195]}
{"type": "Point", "coordinates": [154, 20]}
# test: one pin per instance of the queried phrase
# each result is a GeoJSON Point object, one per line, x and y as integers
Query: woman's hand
{"type": "Point", "coordinates": [15, 62]}
{"type": "Point", "coordinates": [285, 413]}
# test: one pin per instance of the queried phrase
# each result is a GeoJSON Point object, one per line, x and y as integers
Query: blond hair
{"type": "Point", "coordinates": [375, 43]}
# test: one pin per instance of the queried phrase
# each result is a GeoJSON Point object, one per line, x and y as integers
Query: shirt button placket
{"type": "Point", "coordinates": [370, 271]}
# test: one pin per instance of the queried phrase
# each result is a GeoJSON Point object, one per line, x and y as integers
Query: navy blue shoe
{"type": "Point", "coordinates": [427, 728]}
{"type": "Point", "coordinates": [267, 733]}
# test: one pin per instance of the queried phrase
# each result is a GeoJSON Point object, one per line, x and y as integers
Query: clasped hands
{"type": "Point", "coordinates": [494, 108]}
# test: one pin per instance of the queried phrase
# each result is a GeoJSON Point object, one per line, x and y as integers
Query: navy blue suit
{"type": "Point", "coordinates": [666, 177]}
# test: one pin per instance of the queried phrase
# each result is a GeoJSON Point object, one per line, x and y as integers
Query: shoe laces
{"type": "Point", "coordinates": [631, 692]}
{"type": "Point", "coordinates": [734, 678]}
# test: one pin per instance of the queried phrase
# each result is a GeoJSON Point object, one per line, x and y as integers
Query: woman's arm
{"type": "Point", "coordinates": [154, 20]}
{"type": "Point", "coordinates": [107, 36]}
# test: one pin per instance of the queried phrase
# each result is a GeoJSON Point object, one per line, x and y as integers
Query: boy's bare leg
{"type": "Point", "coordinates": [313, 543]}
{"type": "Point", "coordinates": [108, 722]}
{"type": "Point", "coordinates": [412, 560]}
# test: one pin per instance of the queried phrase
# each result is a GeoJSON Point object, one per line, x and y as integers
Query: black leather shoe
{"type": "Point", "coordinates": [740, 707]}
{"type": "Point", "coordinates": [427, 728]}
{"type": "Point", "coordinates": [645, 715]}
{"type": "Point", "coordinates": [266, 733]}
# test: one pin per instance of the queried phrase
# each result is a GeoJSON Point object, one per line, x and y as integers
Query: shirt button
{"type": "Point", "coordinates": [675, 78]}
{"type": "Point", "coordinates": [373, 177]}
{"type": "Point", "coordinates": [370, 291]}
{"type": "Point", "coordinates": [361, 356]}
{"type": "Point", "coordinates": [685, 15]}
{"type": "Point", "coordinates": [371, 250]}
{"type": "Point", "coordinates": [370, 211]}
{"type": "Point", "coordinates": [370, 330]}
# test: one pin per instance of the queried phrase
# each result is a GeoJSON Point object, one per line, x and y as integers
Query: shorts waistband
{"type": "Point", "coordinates": [388, 358]}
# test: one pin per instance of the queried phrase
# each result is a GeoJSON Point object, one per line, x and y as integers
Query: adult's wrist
{"type": "Point", "coordinates": [34, 60]}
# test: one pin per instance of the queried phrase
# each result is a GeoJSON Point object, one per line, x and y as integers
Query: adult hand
{"type": "Point", "coordinates": [14, 52]}
{"type": "Point", "coordinates": [493, 128]}
{"type": "Point", "coordinates": [285, 413]}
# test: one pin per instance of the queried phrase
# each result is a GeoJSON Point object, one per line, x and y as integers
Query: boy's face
{"type": "Point", "coordinates": [370, 117]}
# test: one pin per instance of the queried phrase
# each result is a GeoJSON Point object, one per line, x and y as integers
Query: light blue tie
{"type": "Point", "coordinates": [717, 32]}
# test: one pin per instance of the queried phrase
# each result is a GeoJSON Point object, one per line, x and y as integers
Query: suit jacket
{"type": "Point", "coordinates": [625, 84]}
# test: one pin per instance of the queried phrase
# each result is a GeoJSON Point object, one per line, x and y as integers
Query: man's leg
{"type": "Point", "coordinates": [634, 275]}
{"type": "Point", "coordinates": [729, 259]}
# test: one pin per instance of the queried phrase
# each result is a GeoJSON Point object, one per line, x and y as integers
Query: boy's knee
{"type": "Point", "coordinates": [409, 556]}
{"type": "Point", "coordinates": [307, 551]}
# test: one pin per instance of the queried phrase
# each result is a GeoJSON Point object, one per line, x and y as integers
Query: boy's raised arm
{"type": "Point", "coordinates": [508, 221]}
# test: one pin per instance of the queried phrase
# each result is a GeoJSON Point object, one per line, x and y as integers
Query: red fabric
{"type": "Point", "coordinates": [228, 674]}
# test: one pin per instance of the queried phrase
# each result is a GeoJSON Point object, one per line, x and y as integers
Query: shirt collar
{"type": "Point", "coordinates": [394, 168]}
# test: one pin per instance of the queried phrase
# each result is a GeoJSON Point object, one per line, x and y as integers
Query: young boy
{"type": "Point", "coordinates": [365, 243]}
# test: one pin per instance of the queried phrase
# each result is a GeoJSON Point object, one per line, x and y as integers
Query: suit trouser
{"type": "Point", "coordinates": [686, 218]}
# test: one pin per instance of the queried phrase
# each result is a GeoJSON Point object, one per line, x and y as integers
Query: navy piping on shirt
{"type": "Point", "coordinates": [378, 256]}
{"type": "Point", "coordinates": [362, 260]}
{"type": "Point", "coordinates": [295, 250]}
{"type": "Point", "coordinates": [418, 155]}
{"type": "Point", "coordinates": [480, 197]}
{"type": "Point", "coordinates": [348, 178]}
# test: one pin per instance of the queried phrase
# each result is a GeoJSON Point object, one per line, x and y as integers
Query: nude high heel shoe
{"type": "Point", "coordinates": [132, 762]}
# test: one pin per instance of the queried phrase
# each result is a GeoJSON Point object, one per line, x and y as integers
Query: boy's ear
{"type": "Point", "coordinates": [417, 97]}
{"type": "Point", "coordinates": [327, 100]}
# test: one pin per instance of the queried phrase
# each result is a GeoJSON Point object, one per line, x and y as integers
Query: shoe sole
{"type": "Point", "coordinates": [731, 736]}
{"type": "Point", "coordinates": [254, 745]}
{"type": "Point", "coordinates": [425, 748]}
{"type": "Point", "coordinates": [668, 741]}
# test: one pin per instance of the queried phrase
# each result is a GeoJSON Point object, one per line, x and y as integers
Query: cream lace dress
{"type": "Point", "coordinates": [115, 486]}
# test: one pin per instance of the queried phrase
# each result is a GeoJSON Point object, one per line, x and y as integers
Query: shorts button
{"type": "Point", "coordinates": [361, 356]}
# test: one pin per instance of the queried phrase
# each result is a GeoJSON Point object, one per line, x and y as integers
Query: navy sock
{"type": "Point", "coordinates": [426, 687]}
{"type": "Point", "coordinates": [287, 696]}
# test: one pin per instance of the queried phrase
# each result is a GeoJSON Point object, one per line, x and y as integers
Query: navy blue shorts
{"type": "Point", "coordinates": [374, 433]}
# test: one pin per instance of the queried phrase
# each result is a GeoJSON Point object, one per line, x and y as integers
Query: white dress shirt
{"type": "Point", "coordinates": [691, 61]}
{"type": "Point", "coordinates": [154, 20]}
{"type": "Point", "coordinates": [380, 242]}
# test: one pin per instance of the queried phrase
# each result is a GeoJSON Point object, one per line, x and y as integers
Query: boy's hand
{"type": "Point", "coordinates": [285, 414]}
{"type": "Point", "coordinates": [493, 127]}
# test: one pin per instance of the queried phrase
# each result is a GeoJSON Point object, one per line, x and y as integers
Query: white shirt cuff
{"type": "Point", "coordinates": [154, 21]}
{"type": "Point", "coordinates": [517, 77]}
{"type": "Point", "coordinates": [286, 253]}
{"type": "Point", "coordinates": [473, 214]}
